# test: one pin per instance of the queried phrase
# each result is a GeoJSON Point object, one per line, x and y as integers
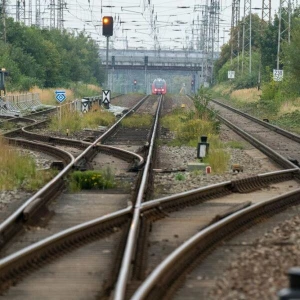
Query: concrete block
{"type": "Point", "coordinates": [195, 166]}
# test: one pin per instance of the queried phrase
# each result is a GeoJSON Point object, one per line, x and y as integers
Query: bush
{"type": "Point", "coordinates": [88, 180]}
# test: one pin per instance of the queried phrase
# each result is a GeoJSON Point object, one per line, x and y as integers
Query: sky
{"type": "Point", "coordinates": [143, 24]}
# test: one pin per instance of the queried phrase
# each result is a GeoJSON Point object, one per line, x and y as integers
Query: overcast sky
{"type": "Point", "coordinates": [176, 21]}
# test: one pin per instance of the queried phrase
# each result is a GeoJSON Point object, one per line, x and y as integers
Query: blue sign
{"type": "Point", "coordinates": [60, 96]}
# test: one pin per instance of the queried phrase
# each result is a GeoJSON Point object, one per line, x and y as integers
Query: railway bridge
{"type": "Point", "coordinates": [134, 70]}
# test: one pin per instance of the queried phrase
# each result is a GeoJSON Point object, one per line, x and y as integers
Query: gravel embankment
{"type": "Point", "coordinates": [172, 158]}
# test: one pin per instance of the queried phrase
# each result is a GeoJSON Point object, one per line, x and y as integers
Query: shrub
{"type": "Point", "coordinates": [18, 170]}
{"type": "Point", "coordinates": [88, 180]}
{"type": "Point", "coordinates": [180, 177]}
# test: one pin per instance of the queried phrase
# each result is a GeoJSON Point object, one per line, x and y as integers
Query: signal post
{"type": "Point", "coordinates": [107, 30]}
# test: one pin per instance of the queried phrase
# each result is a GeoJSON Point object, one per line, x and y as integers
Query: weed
{"type": "Point", "coordinates": [235, 145]}
{"type": "Point", "coordinates": [7, 126]}
{"type": "Point", "coordinates": [179, 177]}
{"type": "Point", "coordinates": [88, 180]}
{"type": "Point", "coordinates": [76, 121]}
{"type": "Point", "coordinates": [217, 159]}
{"type": "Point", "coordinates": [137, 121]}
{"type": "Point", "coordinates": [18, 170]}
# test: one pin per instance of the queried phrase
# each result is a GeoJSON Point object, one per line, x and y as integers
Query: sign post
{"type": "Point", "coordinates": [107, 31]}
{"type": "Point", "coordinates": [106, 98]}
{"type": "Point", "coordinates": [277, 75]}
{"type": "Point", "coordinates": [231, 74]}
{"type": "Point", "coordinates": [60, 97]}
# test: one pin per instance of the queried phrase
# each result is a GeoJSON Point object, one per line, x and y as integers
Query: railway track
{"type": "Point", "coordinates": [174, 234]}
{"type": "Point", "coordinates": [88, 206]}
{"type": "Point", "coordinates": [183, 215]}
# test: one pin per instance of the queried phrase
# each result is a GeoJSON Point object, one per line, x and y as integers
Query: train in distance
{"type": "Point", "coordinates": [159, 87]}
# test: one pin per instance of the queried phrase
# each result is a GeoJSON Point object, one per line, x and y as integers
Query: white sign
{"type": "Point", "coordinates": [106, 97]}
{"type": "Point", "coordinates": [277, 75]}
{"type": "Point", "coordinates": [231, 74]}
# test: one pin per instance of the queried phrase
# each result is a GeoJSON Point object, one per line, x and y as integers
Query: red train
{"type": "Point", "coordinates": [159, 87]}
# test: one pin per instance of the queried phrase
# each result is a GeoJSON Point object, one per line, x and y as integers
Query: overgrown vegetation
{"type": "Point", "coordinates": [290, 121]}
{"type": "Point", "coordinates": [189, 126]}
{"type": "Point", "coordinates": [18, 170]}
{"type": "Point", "coordinates": [137, 120]}
{"type": "Point", "coordinates": [48, 58]}
{"type": "Point", "coordinates": [88, 180]}
{"type": "Point", "coordinates": [75, 121]}
{"type": "Point", "coordinates": [258, 72]}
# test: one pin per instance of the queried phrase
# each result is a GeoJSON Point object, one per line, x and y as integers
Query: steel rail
{"type": "Point", "coordinates": [17, 217]}
{"type": "Point", "coordinates": [14, 263]}
{"type": "Point", "coordinates": [122, 281]}
{"type": "Point", "coordinates": [282, 161]}
{"type": "Point", "coordinates": [275, 128]}
{"type": "Point", "coordinates": [219, 188]}
{"type": "Point", "coordinates": [206, 239]}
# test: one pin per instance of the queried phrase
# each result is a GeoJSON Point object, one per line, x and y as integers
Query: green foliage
{"type": "Point", "coordinates": [218, 157]}
{"type": "Point", "coordinates": [88, 180]}
{"type": "Point", "coordinates": [48, 58]}
{"type": "Point", "coordinates": [81, 90]}
{"type": "Point", "coordinates": [179, 177]}
{"type": "Point", "coordinates": [292, 52]}
{"type": "Point", "coordinates": [189, 126]}
{"type": "Point", "coordinates": [235, 145]}
{"type": "Point", "coordinates": [290, 121]}
{"type": "Point", "coordinates": [190, 131]}
{"type": "Point", "coordinates": [75, 121]}
{"type": "Point", "coordinates": [218, 160]}
{"type": "Point", "coordinates": [18, 170]}
{"type": "Point", "coordinates": [137, 120]}
{"type": "Point", "coordinates": [242, 79]}
{"type": "Point", "coordinates": [70, 120]}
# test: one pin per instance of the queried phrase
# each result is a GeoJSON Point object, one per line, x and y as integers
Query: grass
{"type": "Point", "coordinates": [75, 121]}
{"type": "Point", "coordinates": [7, 126]}
{"type": "Point", "coordinates": [218, 157]}
{"type": "Point", "coordinates": [235, 145]}
{"type": "Point", "coordinates": [246, 95]}
{"type": "Point", "coordinates": [284, 113]}
{"type": "Point", "coordinates": [75, 90]}
{"type": "Point", "coordinates": [18, 170]}
{"type": "Point", "coordinates": [179, 177]}
{"type": "Point", "coordinates": [188, 128]}
{"type": "Point", "coordinates": [137, 121]}
{"type": "Point", "coordinates": [91, 180]}
{"type": "Point", "coordinates": [290, 121]}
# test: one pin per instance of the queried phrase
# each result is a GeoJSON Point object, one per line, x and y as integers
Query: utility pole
{"type": "Point", "coordinates": [3, 13]}
{"type": "Point", "coordinates": [38, 13]}
{"type": "Point", "coordinates": [60, 15]}
{"type": "Point", "coordinates": [107, 31]}
{"type": "Point", "coordinates": [20, 11]}
{"type": "Point", "coordinates": [234, 35]}
{"type": "Point", "coordinates": [247, 34]}
{"type": "Point", "coordinates": [52, 14]}
{"type": "Point", "coordinates": [214, 12]}
{"type": "Point", "coordinates": [29, 12]}
{"type": "Point", "coordinates": [286, 20]}
{"type": "Point", "coordinates": [266, 11]}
